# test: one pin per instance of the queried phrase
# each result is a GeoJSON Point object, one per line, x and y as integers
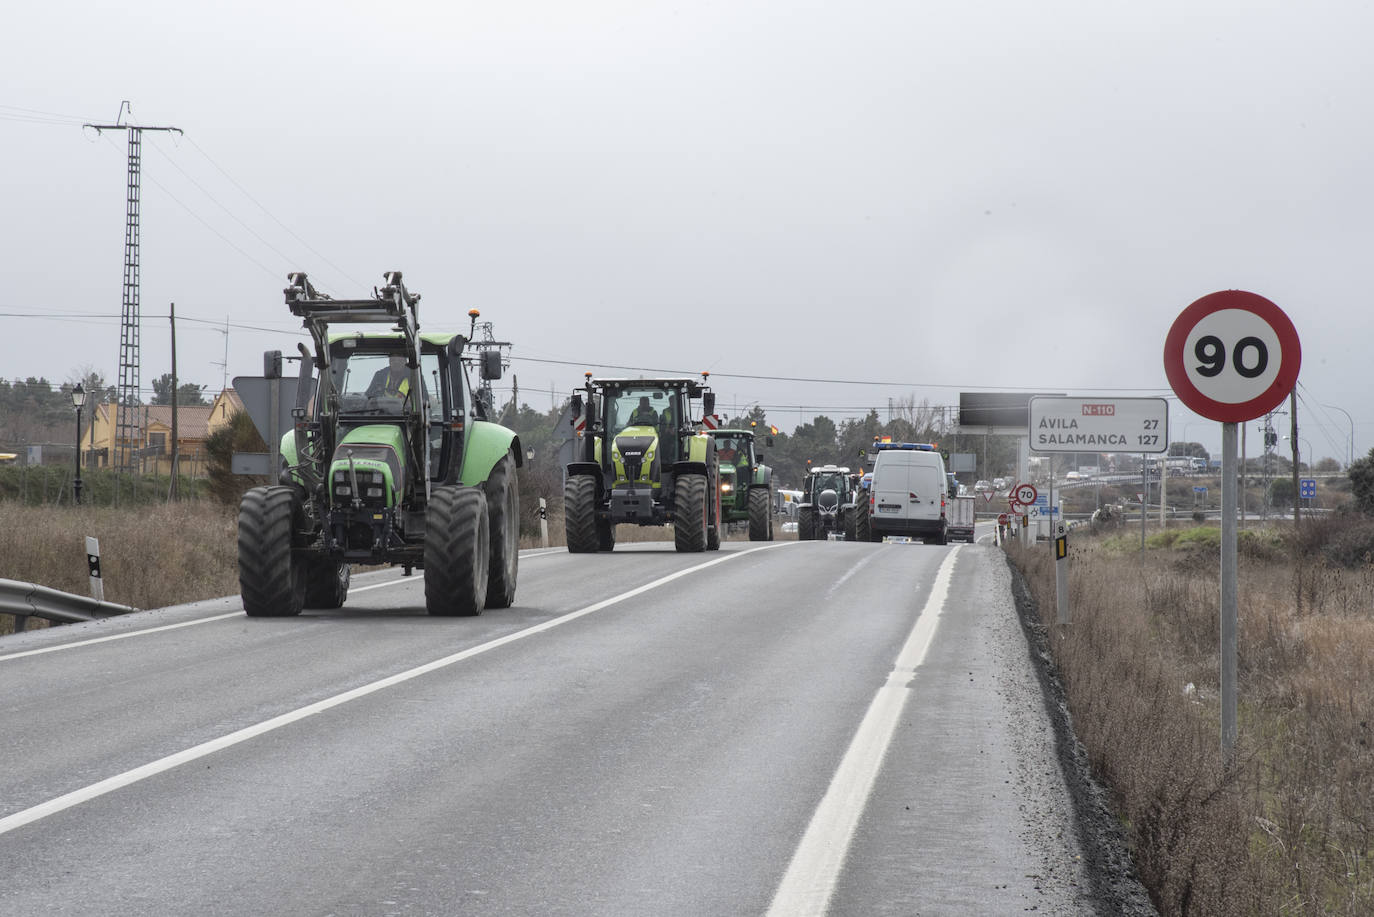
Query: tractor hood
{"type": "Point", "coordinates": [377, 455]}
{"type": "Point", "coordinates": [634, 454]}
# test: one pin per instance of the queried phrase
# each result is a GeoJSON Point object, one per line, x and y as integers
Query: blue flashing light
{"type": "Point", "coordinates": [922, 447]}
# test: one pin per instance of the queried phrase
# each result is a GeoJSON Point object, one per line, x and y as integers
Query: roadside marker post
{"type": "Point", "coordinates": [1231, 356]}
{"type": "Point", "coordinates": [93, 566]}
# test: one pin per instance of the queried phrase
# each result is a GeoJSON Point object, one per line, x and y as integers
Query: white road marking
{"type": "Point", "coordinates": [810, 879]}
{"type": "Point", "coordinates": [132, 633]}
{"type": "Point", "coordinates": [110, 784]}
{"type": "Point", "coordinates": [232, 614]}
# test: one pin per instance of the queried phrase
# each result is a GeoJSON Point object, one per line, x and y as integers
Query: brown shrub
{"type": "Point", "coordinates": [1289, 828]}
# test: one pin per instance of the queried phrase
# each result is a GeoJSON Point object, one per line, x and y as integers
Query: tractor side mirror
{"type": "Point", "coordinates": [591, 413]}
{"type": "Point", "coordinates": [271, 364]}
{"type": "Point", "coordinates": [768, 441]}
{"type": "Point", "coordinates": [708, 404]}
{"type": "Point", "coordinates": [576, 406]}
{"type": "Point", "coordinates": [491, 364]}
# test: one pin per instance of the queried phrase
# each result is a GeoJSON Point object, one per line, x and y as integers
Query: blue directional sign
{"type": "Point", "coordinates": [1307, 488]}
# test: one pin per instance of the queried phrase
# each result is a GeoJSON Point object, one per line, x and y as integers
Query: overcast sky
{"type": "Point", "coordinates": [945, 196]}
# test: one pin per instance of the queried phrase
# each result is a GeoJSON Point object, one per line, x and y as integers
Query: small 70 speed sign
{"type": "Point", "coordinates": [1232, 356]}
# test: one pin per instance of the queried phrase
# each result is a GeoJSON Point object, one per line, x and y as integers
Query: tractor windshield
{"type": "Point", "coordinates": [645, 407]}
{"type": "Point", "coordinates": [733, 450]}
{"type": "Point", "coordinates": [828, 481]}
{"type": "Point", "coordinates": [379, 383]}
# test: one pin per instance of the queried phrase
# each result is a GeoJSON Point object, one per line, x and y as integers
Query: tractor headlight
{"type": "Point", "coordinates": [725, 487]}
{"type": "Point", "coordinates": [374, 492]}
{"type": "Point", "coordinates": [343, 490]}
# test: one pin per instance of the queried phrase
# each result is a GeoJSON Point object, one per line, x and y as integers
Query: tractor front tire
{"type": "Point", "coordinates": [503, 513]}
{"type": "Point", "coordinates": [579, 514]}
{"type": "Point", "coordinates": [457, 551]}
{"type": "Point", "coordinates": [760, 514]}
{"type": "Point", "coordinates": [689, 515]}
{"type": "Point", "coordinates": [806, 524]}
{"type": "Point", "coordinates": [326, 582]}
{"type": "Point", "coordinates": [844, 524]}
{"type": "Point", "coordinates": [271, 582]}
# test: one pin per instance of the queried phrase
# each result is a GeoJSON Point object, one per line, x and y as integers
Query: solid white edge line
{"type": "Point", "coordinates": [810, 879]}
{"type": "Point", "coordinates": [153, 630]}
{"type": "Point", "coordinates": [110, 784]}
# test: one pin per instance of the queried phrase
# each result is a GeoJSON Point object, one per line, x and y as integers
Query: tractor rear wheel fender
{"type": "Point", "coordinates": [485, 445]}
{"type": "Point", "coordinates": [680, 468]}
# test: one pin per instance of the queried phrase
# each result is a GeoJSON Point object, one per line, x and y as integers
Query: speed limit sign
{"type": "Point", "coordinates": [1232, 356]}
{"type": "Point", "coordinates": [1025, 494]}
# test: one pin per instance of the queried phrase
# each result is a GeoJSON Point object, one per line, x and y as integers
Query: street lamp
{"type": "Point", "coordinates": [78, 402]}
{"type": "Point", "coordinates": [1351, 460]}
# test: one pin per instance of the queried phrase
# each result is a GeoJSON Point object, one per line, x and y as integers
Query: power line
{"type": "Point", "coordinates": [822, 381]}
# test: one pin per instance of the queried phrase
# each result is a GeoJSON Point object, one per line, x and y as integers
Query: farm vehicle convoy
{"type": "Point", "coordinates": [389, 458]}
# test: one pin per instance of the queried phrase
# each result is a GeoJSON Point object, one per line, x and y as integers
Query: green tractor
{"type": "Point", "coordinates": [833, 501]}
{"type": "Point", "coordinates": [746, 484]}
{"type": "Point", "coordinates": [642, 461]}
{"type": "Point", "coordinates": [390, 461]}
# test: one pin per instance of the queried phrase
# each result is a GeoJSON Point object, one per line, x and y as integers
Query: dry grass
{"type": "Point", "coordinates": [1289, 829]}
{"type": "Point", "coordinates": [154, 556]}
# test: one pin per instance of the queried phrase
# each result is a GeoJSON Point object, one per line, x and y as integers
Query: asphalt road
{"type": "Point", "coordinates": [796, 728]}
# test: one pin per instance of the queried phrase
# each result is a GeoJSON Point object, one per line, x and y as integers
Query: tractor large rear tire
{"type": "Point", "coordinates": [503, 512]}
{"type": "Point", "coordinates": [806, 524]}
{"type": "Point", "coordinates": [760, 514]}
{"type": "Point", "coordinates": [457, 551]}
{"type": "Point", "coordinates": [579, 514]}
{"type": "Point", "coordinates": [863, 521]}
{"type": "Point", "coordinates": [326, 583]}
{"type": "Point", "coordinates": [271, 581]}
{"type": "Point", "coordinates": [845, 522]}
{"type": "Point", "coordinates": [689, 515]}
{"type": "Point", "coordinates": [605, 535]}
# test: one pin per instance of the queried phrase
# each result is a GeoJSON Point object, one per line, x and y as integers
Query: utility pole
{"type": "Point", "coordinates": [172, 488]}
{"type": "Point", "coordinates": [128, 430]}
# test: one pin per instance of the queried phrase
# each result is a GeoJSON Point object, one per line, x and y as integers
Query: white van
{"type": "Point", "coordinates": [908, 494]}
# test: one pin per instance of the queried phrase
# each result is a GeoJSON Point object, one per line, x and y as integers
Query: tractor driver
{"type": "Point", "coordinates": [392, 380]}
{"type": "Point", "coordinates": [644, 414]}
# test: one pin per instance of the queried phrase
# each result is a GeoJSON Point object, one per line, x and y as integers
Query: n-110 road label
{"type": "Point", "coordinates": [1098, 424]}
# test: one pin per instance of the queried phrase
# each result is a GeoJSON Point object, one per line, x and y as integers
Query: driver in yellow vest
{"type": "Point", "coordinates": [392, 379]}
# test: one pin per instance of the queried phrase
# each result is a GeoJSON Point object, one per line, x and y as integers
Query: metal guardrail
{"type": "Point", "coordinates": [25, 600]}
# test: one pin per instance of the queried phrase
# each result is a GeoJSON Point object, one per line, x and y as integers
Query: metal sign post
{"type": "Point", "coordinates": [1231, 356]}
{"type": "Point", "coordinates": [1229, 614]}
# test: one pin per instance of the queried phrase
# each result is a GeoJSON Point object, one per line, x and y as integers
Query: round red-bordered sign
{"type": "Point", "coordinates": [1232, 356]}
{"type": "Point", "coordinates": [1003, 519]}
{"type": "Point", "coordinates": [1025, 494]}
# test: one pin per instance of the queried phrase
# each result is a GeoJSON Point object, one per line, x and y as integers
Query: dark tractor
{"type": "Point", "coordinates": [642, 460]}
{"type": "Point", "coordinates": [833, 501]}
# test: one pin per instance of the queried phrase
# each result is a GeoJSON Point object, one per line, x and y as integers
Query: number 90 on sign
{"type": "Point", "coordinates": [1232, 355]}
